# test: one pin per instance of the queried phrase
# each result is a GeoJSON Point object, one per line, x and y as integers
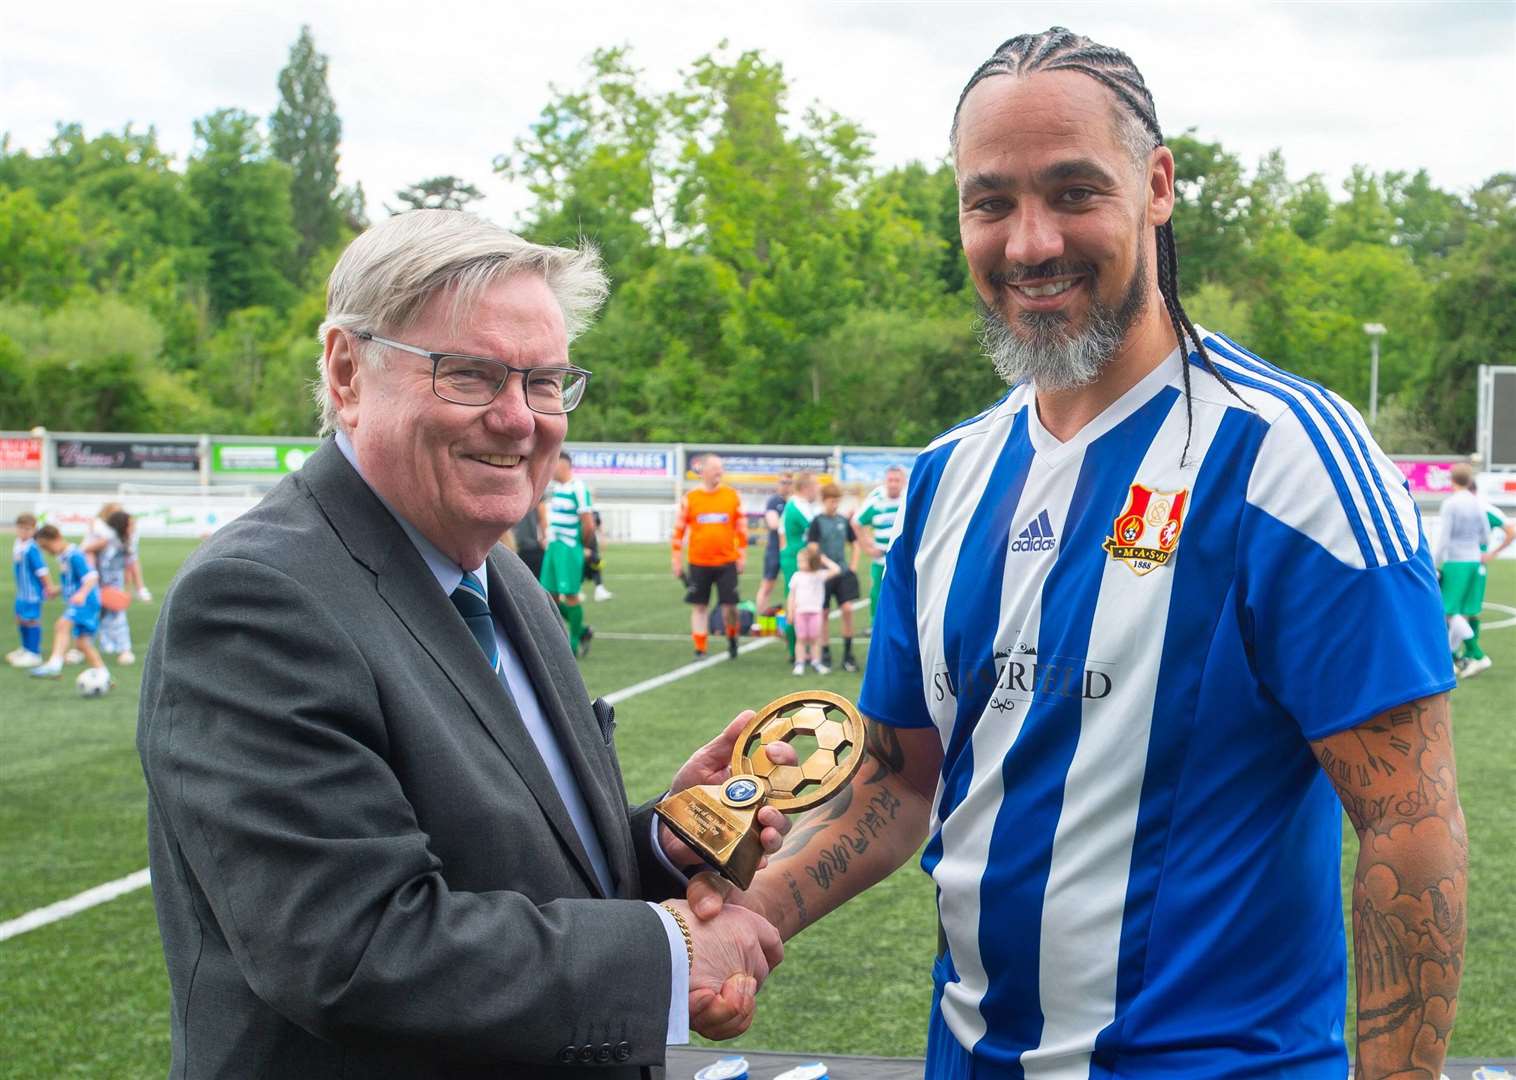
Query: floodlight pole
{"type": "Point", "coordinates": [1375, 331]}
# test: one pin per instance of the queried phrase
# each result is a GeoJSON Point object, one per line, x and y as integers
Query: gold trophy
{"type": "Point", "coordinates": [719, 821]}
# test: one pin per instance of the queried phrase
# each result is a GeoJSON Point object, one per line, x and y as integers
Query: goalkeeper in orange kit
{"type": "Point", "coordinates": [711, 517]}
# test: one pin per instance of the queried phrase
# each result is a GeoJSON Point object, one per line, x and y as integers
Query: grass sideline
{"type": "Point", "coordinates": [88, 997]}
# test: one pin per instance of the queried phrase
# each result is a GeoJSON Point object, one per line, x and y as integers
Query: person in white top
{"type": "Point", "coordinates": [1459, 556]}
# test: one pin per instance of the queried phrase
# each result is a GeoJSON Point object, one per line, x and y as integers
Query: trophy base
{"type": "Point", "coordinates": [726, 838]}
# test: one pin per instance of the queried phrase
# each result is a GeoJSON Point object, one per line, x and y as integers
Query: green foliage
{"type": "Point", "coordinates": [1219, 309]}
{"type": "Point", "coordinates": [436, 193]}
{"type": "Point", "coordinates": [304, 133]}
{"type": "Point", "coordinates": [1476, 318]}
{"type": "Point", "coordinates": [91, 365]}
{"type": "Point", "coordinates": [770, 281]}
{"type": "Point", "coordinates": [39, 249]}
{"type": "Point", "coordinates": [248, 231]}
{"type": "Point", "coordinates": [1210, 211]}
{"type": "Point", "coordinates": [1310, 306]}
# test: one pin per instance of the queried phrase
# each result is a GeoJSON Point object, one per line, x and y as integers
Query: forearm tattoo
{"type": "Point", "coordinates": [883, 759]}
{"type": "Point", "coordinates": [1396, 779]}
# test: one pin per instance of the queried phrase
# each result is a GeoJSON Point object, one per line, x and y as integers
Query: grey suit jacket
{"type": "Point", "coordinates": [361, 866]}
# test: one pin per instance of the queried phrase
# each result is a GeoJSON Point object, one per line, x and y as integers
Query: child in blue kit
{"type": "Point", "coordinates": [32, 587]}
{"type": "Point", "coordinates": [81, 592]}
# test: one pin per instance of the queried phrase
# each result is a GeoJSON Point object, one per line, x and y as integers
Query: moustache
{"type": "Point", "coordinates": [1052, 268]}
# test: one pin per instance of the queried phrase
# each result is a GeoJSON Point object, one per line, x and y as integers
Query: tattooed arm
{"type": "Point", "coordinates": [847, 844]}
{"type": "Point", "coordinates": [1395, 777]}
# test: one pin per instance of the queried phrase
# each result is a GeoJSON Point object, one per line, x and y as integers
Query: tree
{"type": "Point", "coordinates": [1475, 324]}
{"type": "Point", "coordinates": [247, 232]}
{"type": "Point", "coordinates": [39, 249]}
{"type": "Point", "coordinates": [305, 133]}
{"type": "Point", "coordinates": [1210, 211]}
{"type": "Point", "coordinates": [1311, 304]}
{"type": "Point", "coordinates": [601, 162]}
{"type": "Point", "coordinates": [1364, 218]}
{"type": "Point", "coordinates": [436, 193]}
{"type": "Point", "coordinates": [93, 365]}
{"type": "Point", "coordinates": [1429, 222]}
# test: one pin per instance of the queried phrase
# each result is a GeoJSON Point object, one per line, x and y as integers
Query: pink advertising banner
{"type": "Point", "coordinates": [1429, 477]}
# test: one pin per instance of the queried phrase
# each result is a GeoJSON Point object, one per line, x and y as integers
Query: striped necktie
{"type": "Point", "coordinates": [469, 599]}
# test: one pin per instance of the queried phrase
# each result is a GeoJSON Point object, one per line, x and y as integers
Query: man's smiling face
{"type": "Point", "coordinates": [462, 474]}
{"type": "Point", "coordinates": [1053, 210]}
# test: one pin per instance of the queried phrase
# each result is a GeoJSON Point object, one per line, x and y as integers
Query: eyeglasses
{"type": "Point", "coordinates": [478, 380]}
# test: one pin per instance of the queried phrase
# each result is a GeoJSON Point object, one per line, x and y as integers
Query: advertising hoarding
{"type": "Point", "coordinates": [149, 455]}
{"type": "Point", "coordinates": [630, 461]}
{"type": "Point", "coordinates": [758, 467]}
{"type": "Point", "coordinates": [241, 458]}
{"type": "Point", "coordinates": [20, 455]}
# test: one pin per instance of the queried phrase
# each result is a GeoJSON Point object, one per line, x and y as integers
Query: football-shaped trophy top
{"type": "Point", "coordinates": [836, 725]}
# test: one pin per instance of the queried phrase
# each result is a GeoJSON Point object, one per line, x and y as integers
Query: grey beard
{"type": "Point", "coordinates": [1042, 349]}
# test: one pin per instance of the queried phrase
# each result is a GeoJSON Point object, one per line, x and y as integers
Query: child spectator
{"type": "Point", "coordinates": [99, 530]}
{"type": "Point", "coordinates": [32, 587]}
{"type": "Point", "coordinates": [111, 558]}
{"type": "Point", "coordinates": [81, 591]}
{"type": "Point", "coordinates": [807, 603]}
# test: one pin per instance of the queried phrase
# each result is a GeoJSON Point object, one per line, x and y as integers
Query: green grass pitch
{"type": "Point", "coordinates": [87, 996]}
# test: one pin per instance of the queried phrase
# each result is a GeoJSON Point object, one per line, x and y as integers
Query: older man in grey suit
{"type": "Point", "coordinates": [388, 830]}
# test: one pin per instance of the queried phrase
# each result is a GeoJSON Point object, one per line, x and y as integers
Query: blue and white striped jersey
{"type": "Point", "coordinates": [1136, 853]}
{"type": "Point", "coordinates": [30, 569]}
{"type": "Point", "coordinates": [74, 570]}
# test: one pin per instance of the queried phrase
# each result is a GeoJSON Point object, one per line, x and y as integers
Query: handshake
{"type": "Point", "coordinates": [733, 945]}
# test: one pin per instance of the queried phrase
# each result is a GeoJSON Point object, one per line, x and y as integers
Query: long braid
{"type": "Point", "coordinates": [1059, 49]}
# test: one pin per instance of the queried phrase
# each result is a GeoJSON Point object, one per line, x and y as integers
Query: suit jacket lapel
{"type": "Point", "coordinates": [598, 783]}
{"type": "Point", "coordinates": [406, 584]}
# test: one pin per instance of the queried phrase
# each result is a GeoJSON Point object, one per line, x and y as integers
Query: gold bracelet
{"type": "Point", "coordinates": [684, 928]}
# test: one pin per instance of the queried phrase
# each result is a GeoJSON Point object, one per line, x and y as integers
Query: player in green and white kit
{"type": "Point", "coordinates": [1474, 659]}
{"type": "Point", "coordinates": [567, 520]}
{"type": "Point", "coordinates": [880, 509]}
{"type": "Point", "coordinates": [794, 524]}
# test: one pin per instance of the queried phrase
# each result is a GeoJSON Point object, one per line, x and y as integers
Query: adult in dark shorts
{"type": "Point", "coordinates": [526, 537]}
{"type": "Point", "coordinates": [711, 521]}
{"type": "Point", "coordinates": [833, 535]}
{"type": "Point", "coordinates": [773, 520]}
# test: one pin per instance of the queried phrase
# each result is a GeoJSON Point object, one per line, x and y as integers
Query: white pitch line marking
{"type": "Point", "coordinates": [100, 894]}
{"type": "Point", "coordinates": [73, 905]}
{"type": "Point", "coordinates": [1503, 623]}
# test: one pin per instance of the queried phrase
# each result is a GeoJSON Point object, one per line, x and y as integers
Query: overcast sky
{"type": "Point", "coordinates": [426, 89]}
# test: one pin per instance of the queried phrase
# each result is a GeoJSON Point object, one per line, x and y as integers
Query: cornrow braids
{"type": "Point", "coordinates": [1060, 49]}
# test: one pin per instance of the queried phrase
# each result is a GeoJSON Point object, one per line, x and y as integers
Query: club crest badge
{"type": "Point", "coordinates": [1146, 532]}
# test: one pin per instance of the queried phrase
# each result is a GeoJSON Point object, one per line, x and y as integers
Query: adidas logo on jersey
{"type": "Point", "coordinates": [1037, 536]}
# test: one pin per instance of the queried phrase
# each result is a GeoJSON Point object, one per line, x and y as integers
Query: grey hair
{"type": "Point", "coordinates": [393, 270]}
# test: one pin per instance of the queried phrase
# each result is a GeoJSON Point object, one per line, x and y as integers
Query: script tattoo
{"type": "Point", "coordinates": [1396, 779]}
{"type": "Point", "coordinates": [797, 896]}
{"type": "Point", "coordinates": [883, 806]}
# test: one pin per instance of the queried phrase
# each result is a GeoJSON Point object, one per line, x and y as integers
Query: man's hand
{"type": "Point", "coordinates": [881, 818]}
{"type": "Point", "coordinates": [78, 599]}
{"type": "Point", "coordinates": [709, 893]}
{"type": "Point", "coordinates": [733, 955]}
{"type": "Point", "coordinates": [50, 591]}
{"type": "Point", "coordinates": [741, 561]}
{"type": "Point", "coordinates": [678, 566]}
{"type": "Point", "coordinates": [712, 764]}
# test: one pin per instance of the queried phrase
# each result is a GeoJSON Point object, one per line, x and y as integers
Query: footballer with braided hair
{"type": "Point", "coordinates": [1102, 688]}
